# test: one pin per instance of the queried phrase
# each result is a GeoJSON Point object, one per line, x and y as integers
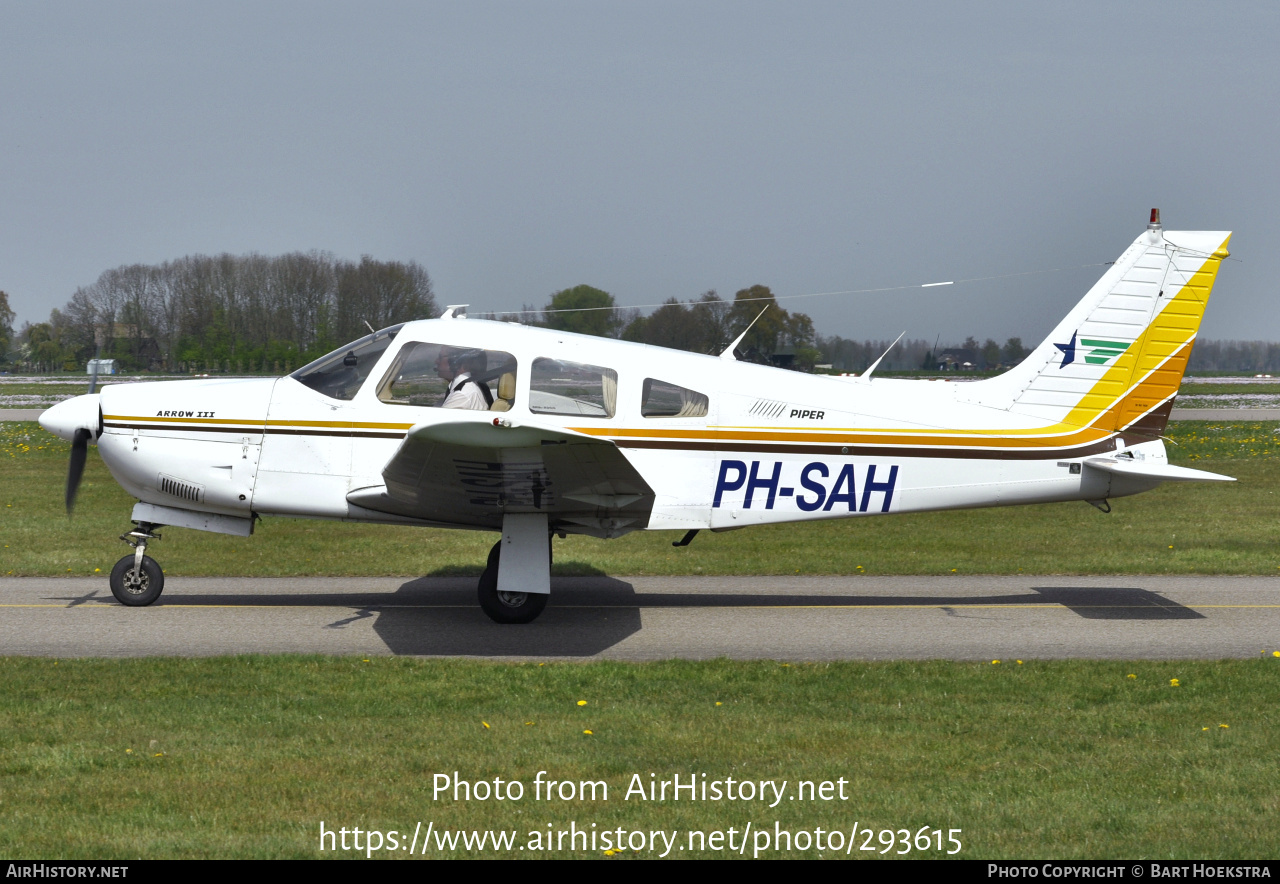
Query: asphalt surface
{"type": "Point", "coordinates": [649, 618]}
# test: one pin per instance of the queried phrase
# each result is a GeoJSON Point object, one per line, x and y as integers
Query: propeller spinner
{"type": "Point", "coordinates": [79, 421]}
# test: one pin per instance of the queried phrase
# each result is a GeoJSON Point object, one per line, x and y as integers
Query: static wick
{"type": "Point", "coordinates": [929, 285]}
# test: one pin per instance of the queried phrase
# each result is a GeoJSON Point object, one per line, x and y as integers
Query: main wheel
{"type": "Point", "coordinates": [134, 589]}
{"type": "Point", "coordinates": [507, 607]}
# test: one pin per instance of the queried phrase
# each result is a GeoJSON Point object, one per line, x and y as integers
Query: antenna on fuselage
{"type": "Point", "coordinates": [369, 327]}
{"type": "Point", "coordinates": [728, 353]}
{"type": "Point", "coordinates": [866, 375]}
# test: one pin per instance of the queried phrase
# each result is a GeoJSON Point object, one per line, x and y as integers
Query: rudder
{"type": "Point", "coordinates": [1115, 362]}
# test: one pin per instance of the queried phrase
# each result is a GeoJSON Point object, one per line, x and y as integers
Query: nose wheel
{"type": "Point", "coordinates": [136, 580]}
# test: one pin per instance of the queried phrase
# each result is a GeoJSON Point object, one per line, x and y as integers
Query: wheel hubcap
{"type": "Point", "coordinates": [513, 599]}
{"type": "Point", "coordinates": [136, 583]}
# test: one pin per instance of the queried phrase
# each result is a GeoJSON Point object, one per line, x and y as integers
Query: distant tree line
{"type": "Point", "coordinates": [7, 316]}
{"type": "Point", "coordinates": [226, 312]}
{"type": "Point", "coordinates": [252, 313]}
{"type": "Point", "coordinates": [706, 324]}
{"type": "Point", "coordinates": [1246, 357]}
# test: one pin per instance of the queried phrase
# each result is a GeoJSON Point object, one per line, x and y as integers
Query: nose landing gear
{"type": "Point", "coordinates": [136, 580]}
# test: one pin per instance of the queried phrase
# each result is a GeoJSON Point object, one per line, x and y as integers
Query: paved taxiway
{"type": "Point", "coordinates": [647, 618]}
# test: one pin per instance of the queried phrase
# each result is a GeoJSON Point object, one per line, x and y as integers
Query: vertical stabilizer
{"type": "Point", "coordinates": [1115, 362]}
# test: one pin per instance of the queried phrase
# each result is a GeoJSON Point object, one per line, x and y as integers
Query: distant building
{"type": "Point", "coordinates": [101, 366]}
{"type": "Point", "coordinates": [957, 359]}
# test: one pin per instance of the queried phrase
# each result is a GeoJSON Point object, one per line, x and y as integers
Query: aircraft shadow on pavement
{"type": "Point", "coordinates": [448, 621]}
{"type": "Point", "coordinates": [588, 615]}
{"type": "Point", "coordinates": [1092, 603]}
{"type": "Point", "coordinates": [440, 615]}
{"type": "Point", "coordinates": [1116, 603]}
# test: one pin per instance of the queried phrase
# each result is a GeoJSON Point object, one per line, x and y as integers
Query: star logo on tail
{"type": "Point", "coordinates": [1068, 351]}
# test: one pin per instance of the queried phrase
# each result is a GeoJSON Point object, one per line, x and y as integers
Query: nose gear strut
{"type": "Point", "coordinates": [136, 580]}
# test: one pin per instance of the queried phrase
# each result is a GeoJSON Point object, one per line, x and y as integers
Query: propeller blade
{"type": "Point", "coordinates": [75, 469]}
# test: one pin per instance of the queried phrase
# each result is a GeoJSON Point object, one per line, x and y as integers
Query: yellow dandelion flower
{"type": "Point", "coordinates": [157, 755]}
{"type": "Point", "coordinates": [1131, 675]}
{"type": "Point", "coordinates": [486, 725]}
{"type": "Point", "coordinates": [995, 662]}
{"type": "Point", "coordinates": [589, 733]}
{"type": "Point", "coordinates": [1175, 683]}
{"type": "Point", "coordinates": [128, 751]}
{"type": "Point", "coordinates": [1224, 725]}
{"type": "Point", "coordinates": [1275, 653]}
{"type": "Point", "coordinates": [582, 702]}
{"type": "Point", "coordinates": [608, 853]}
{"type": "Point", "coordinates": [1204, 728]}
{"type": "Point", "coordinates": [1019, 662]}
{"type": "Point", "coordinates": [718, 703]}
{"type": "Point", "coordinates": [528, 722]}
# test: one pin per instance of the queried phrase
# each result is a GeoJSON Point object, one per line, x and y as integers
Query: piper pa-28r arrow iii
{"type": "Point", "coordinates": [569, 434]}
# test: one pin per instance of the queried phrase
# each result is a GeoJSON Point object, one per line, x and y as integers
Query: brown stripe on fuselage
{"type": "Point", "coordinates": [728, 447]}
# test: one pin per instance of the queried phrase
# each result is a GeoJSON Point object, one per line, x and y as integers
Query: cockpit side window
{"type": "Point", "coordinates": [341, 373]}
{"type": "Point", "coordinates": [661, 399]}
{"type": "Point", "coordinates": [450, 376]}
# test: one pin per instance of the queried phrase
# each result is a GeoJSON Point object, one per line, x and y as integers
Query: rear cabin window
{"type": "Point", "coordinates": [661, 399]}
{"type": "Point", "coordinates": [423, 372]}
{"type": "Point", "coordinates": [572, 388]}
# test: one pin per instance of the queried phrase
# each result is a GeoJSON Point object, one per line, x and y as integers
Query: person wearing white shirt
{"type": "Point", "coordinates": [457, 366]}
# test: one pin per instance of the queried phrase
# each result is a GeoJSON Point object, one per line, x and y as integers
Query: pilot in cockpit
{"type": "Point", "coordinates": [457, 365]}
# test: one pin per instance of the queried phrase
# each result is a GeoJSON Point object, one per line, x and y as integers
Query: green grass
{"type": "Point", "coordinates": [1176, 529]}
{"type": "Point", "coordinates": [49, 389]}
{"type": "Point", "coordinates": [1206, 389]}
{"type": "Point", "coordinates": [243, 757]}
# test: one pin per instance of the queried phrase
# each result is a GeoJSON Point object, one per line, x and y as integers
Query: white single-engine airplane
{"type": "Point", "coordinates": [586, 435]}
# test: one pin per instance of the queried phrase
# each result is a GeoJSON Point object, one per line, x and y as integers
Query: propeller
{"type": "Point", "coordinates": [75, 468]}
{"type": "Point", "coordinates": [80, 443]}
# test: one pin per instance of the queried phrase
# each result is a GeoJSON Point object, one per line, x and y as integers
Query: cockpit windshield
{"type": "Point", "coordinates": [341, 373]}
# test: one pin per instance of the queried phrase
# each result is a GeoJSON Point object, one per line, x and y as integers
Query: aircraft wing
{"type": "Point", "coordinates": [1163, 472]}
{"type": "Point", "coordinates": [471, 471]}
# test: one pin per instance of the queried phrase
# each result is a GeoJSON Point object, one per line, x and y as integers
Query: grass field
{"type": "Point", "coordinates": [244, 757]}
{"type": "Point", "coordinates": [1205, 388]}
{"type": "Point", "coordinates": [1176, 529]}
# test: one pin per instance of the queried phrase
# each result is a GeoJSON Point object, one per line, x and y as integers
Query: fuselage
{"type": "Point", "coordinates": [720, 443]}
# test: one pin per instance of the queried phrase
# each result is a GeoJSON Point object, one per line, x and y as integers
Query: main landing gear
{"type": "Point", "coordinates": [137, 580]}
{"type": "Point", "coordinates": [516, 590]}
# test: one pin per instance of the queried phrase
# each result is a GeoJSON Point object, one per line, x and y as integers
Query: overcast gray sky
{"type": "Point", "coordinates": [651, 149]}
